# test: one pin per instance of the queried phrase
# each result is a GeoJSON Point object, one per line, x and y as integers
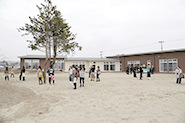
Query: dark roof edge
{"type": "Point", "coordinates": [148, 53]}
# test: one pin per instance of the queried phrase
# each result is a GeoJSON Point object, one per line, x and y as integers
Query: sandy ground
{"type": "Point", "coordinates": [118, 98]}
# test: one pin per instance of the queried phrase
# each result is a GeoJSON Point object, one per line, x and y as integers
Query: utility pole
{"type": "Point", "coordinates": [161, 42]}
{"type": "Point", "coordinates": [101, 54]}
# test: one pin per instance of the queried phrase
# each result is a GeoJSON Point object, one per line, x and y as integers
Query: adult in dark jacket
{"type": "Point", "coordinates": [22, 74]}
{"type": "Point", "coordinates": [134, 71]}
{"type": "Point", "coordinates": [152, 69]}
{"type": "Point", "coordinates": [141, 72]}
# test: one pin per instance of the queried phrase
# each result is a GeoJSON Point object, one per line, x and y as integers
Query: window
{"type": "Point", "coordinates": [27, 64]}
{"type": "Point", "coordinates": [172, 65]}
{"type": "Point", "coordinates": [112, 66]}
{"type": "Point", "coordinates": [133, 63]}
{"type": "Point", "coordinates": [35, 64]}
{"type": "Point", "coordinates": [168, 65]}
{"type": "Point", "coordinates": [82, 64]}
{"type": "Point", "coordinates": [163, 65]}
{"type": "Point", "coordinates": [149, 62]}
{"type": "Point", "coordinates": [59, 65]}
{"type": "Point", "coordinates": [106, 66]}
{"type": "Point", "coordinates": [75, 64]}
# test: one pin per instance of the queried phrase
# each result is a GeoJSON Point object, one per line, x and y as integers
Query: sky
{"type": "Point", "coordinates": [112, 26]}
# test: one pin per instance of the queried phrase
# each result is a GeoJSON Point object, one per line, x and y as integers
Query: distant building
{"type": "Point", "coordinates": [3, 63]}
{"type": "Point", "coordinates": [163, 61]}
{"type": "Point", "coordinates": [32, 62]}
{"type": "Point", "coordinates": [106, 64]}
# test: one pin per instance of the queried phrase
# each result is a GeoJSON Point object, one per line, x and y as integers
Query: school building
{"type": "Point", "coordinates": [163, 61]}
{"type": "Point", "coordinates": [32, 62]}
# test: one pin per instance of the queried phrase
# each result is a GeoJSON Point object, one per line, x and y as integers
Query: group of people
{"type": "Point", "coordinates": [93, 71]}
{"type": "Point", "coordinates": [6, 72]}
{"type": "Point", "coordinates": [79, 72]}
{"type": "Point", "coordinates": [41, 75]}
{"type": "Point", "coordinates": [135, 70]}
{"type": "Point", "coordinates": [150, 70]}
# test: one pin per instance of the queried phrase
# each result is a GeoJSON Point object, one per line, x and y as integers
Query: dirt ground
{"type": "Point", "coordinates": [117, 98]}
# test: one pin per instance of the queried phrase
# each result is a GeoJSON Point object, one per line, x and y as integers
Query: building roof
{"type": "Point", "coordinates": [89, 59]}
{"type": "Point", "coordinates": [69, 58]}
{"type": "Point", "coordinates": [148, 53]}
{"type": "Point", "coordinates": [37, 56]}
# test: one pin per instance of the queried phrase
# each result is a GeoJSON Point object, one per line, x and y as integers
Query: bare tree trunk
{"type": "Point", "coordinates": [54, 50]}
{"type": "Point", "coordinates": [46, 59]}
{"type": "Point", "coordinates": [45, 63]}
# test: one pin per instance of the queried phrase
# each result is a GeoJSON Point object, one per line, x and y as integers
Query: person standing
{"type": "Point", "coordinates": [70, 73]}
{"type": "Point", "coordinates": [92, 73]}
{"type": "Point", "coordinates": [127, 70]}
{"type": "Point", "coordinates": [51, 75]}
{"type": "Point", "coordinates": [131, 69]}
{"type": "Point", "coordinates": [20, 76]}
{"type": "Point", "coordinates": [75, 77]}
{"type": "Point", "coordinates": [40, 75]}
{"type": "Point", "coordinates": [6, 72]}
{"type": "Point", "coordinates": [12, 72]}
{"type": "Point", "coordinates": [178, 72]}
{"type": "Point", "coordinates": [23, 73]}
{"type": "Point", "coordinates": [149, 72]}
{"type": "Point", "coordinates": [82, 77]}
{"type": "Point", "coordinates": [152, 69]}
{"type": "Point", "coordinates": [141, 72]}
{"type": "Point", "coordinates": [98, 72]}
{"type": "Point", "coordinates": [134, 71]}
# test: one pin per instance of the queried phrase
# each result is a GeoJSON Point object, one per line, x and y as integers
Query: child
{"type": "Point", "coordinates": [12, 72]}
{"type": "Point", "coordinates": [149, 72]}
{"type": "Point", "coordinates": [40, 75]}
{"type": "Point", "coordinates": [98, 72]}
{"type": "Point", "coordinates": [92, 73]}
{"type": "Point", "coordinates": [23, 73]}
{"type": "Point", "coordinates": [82, 77]}
{"type": "Point", "coordinates": [51, 75]}
{"type": "Point", "coordinates": [70, 73]}
{"type": "Point", "coordinates": [75, 77]}
{"type": "Point", "coordinates": [6, 71]}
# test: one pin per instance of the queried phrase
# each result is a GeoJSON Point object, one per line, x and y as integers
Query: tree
{"type": "Point", "coordinates": [50, 31]}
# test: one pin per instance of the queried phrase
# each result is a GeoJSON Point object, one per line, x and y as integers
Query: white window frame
{"type": "Point", "coordinates": [163, 61]}
{"type": "Point", "coordinates": [106, 63]}
{"type": "Point", "coordinates": [167, 61]}
{"type": "Point", "coordinates": [35, 62]}
{"type": "Point", "coordinates": [29, 62]}
{"type": "Point", "coordinates": [172, 61]}
{"type": "Point", "coordinates": [113, 63]}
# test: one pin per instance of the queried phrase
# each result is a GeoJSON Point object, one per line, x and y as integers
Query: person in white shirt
{"type": "Point", "coordinates": [178, 72]}
{"type": "Point", "coordinates": [70, 73]}
{"type": "Point", "coordinates": [12, 72]}
{"type": "Point", "coordinates": [40, 75]}
{"type": "Point", "coordinates": [82, 77]}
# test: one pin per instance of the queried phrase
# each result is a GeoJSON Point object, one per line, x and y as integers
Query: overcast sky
{"type": "Point", "coordinates": [112, 26]}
